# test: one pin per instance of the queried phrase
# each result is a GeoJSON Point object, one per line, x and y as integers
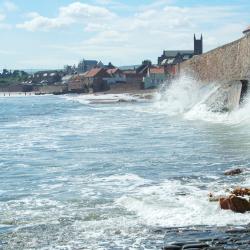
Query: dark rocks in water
{"type": "Point", "coordinates": [234, 203]}
{"type": "Point", "coordinates": [235, 171]}
{"type": "Point", "coordinates": [182, 243]}
{"type": "Point", "coordinates": [124, 100]}
{"type": "Point", "coordinates": [212, 238]}
{"type": "Point", "coordinates": [195, 246]}
{"type": "Point", "coordinates": [172, 247]}
{"type": "Point", "coordinates": [238, 230]}
{"type": "Point", "coordinates": [215, 248]}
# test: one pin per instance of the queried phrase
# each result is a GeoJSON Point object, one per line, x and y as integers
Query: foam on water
{"type": "Point", "coordinates": [187, 98]}
{"type": "Point", "coordinates": [100, 98]}
{"type": "Point", "coordinates": [173, 204]}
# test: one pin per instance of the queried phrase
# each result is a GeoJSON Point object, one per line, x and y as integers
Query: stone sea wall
{"type": "Point", "coordinates": [224, 64]}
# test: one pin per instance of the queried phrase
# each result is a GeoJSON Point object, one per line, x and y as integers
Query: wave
{"type": "Point", "coordinates": [88, 99]}
{"type": "Point", "coordinates": [171, 204]}
{"type": "Point", "coordinates": [188, 98]}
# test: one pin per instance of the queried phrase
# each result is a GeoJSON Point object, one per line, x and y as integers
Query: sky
{"type": "Point", "coordinates": [47, 34]}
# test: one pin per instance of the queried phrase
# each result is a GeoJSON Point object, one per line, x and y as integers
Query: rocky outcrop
{"type": "Point", "coordinates": [235, 203]}
{"type": "Point", "coordinates": [241, 192]}
{"type": "Point", "coordinates": [206, 238]}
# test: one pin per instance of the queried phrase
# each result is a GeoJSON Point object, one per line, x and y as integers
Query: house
{"type": "Point", "coordinates": [116, 76]}
{"type": "Point", "coordinates": [95, 79]}
{"type": "Point", "coordinates": [134, 75]}
{"type": "Point", "coordinates": [170, 58]}
{"type": "Point", "coordinates": [76, 84]}
{"type": "Point", "coordinates": [133, 79]}
{"type": "Point", "coordinates": [156, 76]}
{"type": "Point", "coordinates": [175, 56]}
{"type": "Point", "coordinates": [48, 77]}
{"type": "Point", "coordinates": [109, 66]}
{"type": "Point", "coordinates": [143, 68]}
{"type": "Point", "coordinates": [70, 70]}
{"type": "Point", "coordinates": [86, 65]}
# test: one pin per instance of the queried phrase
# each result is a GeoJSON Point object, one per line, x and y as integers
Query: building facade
{"type": "Point", "coordinates": [156, 76]}
{"type": "Point", "coordinates": [95, 79]}
{"type": "Point", "coordinates": [116, 76]}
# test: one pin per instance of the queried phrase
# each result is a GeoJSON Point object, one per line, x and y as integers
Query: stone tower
{"type": "Point", "coordinates": [198, 45]}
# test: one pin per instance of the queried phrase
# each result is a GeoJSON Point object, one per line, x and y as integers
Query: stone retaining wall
{"type": "Point", "coordinates": [224, 64]}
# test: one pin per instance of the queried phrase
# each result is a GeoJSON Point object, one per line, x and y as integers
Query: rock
{"type": "Point", "coordinates": [238, 231]}
{"type": "Point", "coordinates": [195, 246]}
{"type": "Point", "coordinates": [241, 191]}
{"type": "Point", "coordinates": [234, 203]}
{"type": "Point", "coordinates": [118, 232]}
{"type": "Point", "coordinates": [182, 243]}
{"type": "Point", "coordinates": [215, 248]}
{"type": "Point", "coordinates": [235, 171]}
{"type": "Point", "coordinates": [171, 247]}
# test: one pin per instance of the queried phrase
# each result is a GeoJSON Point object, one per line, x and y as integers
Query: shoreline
{"type": "Point", "coordinates": [106, 97]}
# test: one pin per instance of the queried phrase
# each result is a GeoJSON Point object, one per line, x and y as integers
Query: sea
{"type": "Point", "coordinates": [78, 174]}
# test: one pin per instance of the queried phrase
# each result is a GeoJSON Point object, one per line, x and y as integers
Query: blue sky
{"type": "Point", "coordinates": [53, 33]}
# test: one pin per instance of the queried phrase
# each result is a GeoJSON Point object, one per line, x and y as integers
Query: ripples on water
{"type": "Point", "coordinates": [81, 176]}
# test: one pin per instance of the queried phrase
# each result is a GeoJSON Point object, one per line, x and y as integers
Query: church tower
{"type": "Point", "coordinates": [198, 45]}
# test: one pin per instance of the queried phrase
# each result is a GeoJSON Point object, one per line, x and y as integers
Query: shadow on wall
{"type": "Point", "coordinates": [244, 90]}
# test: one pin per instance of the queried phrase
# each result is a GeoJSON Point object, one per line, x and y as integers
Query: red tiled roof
{"type": "Point", "coordinates": [93, 72]}
{"type": "Point", "coordinates": [157, 70]}
{"type": "Point", "coordinates": [112, 71]}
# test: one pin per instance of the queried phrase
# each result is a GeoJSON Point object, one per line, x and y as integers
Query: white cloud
{"type": "Point", "coordinates": [2, 17]}
{"type": "Point", "coordinates": [140, 34]}
{"type": "Point", "coordinates": [73, 13]}
{"type": "Point", "coordinates": [104, 2]}
{"type": "Point", "coordinates": [10, 6]}
{"type": "Point", "coordinates": [5, 8]}
{"type": "Point", "coordinates": [149, 31]}
{"type": "Point", "coordinates": [3, 25]}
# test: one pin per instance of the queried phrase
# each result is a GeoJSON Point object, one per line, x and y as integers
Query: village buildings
{"type": "Point", "coordinates": [95, 79]}
{"type": "Point", "coordinates": [116, 76]}
{"type": "Point", "coordinates": [47, 77]}
{"type": "Point", "coordinates": [170, 58]}
{"type": "Point", "coordinates": [156, 76]}
{"type": "Point", "coordinates": [94, 76]}
{"type": "Point", "coordinates": [86, 65]}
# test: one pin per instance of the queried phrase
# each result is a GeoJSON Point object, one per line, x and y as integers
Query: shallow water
{"type": "Point", "coordinates": [76, 175]}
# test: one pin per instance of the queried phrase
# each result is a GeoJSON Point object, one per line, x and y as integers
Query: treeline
{"type": "Point", "coordinates": [8, 77]}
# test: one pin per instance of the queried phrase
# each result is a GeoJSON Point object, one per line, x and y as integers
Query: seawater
{"type": "Point", "coordinates": [76, 175]}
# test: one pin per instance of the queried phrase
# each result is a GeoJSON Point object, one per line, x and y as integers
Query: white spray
{"type": "Point", "coordinates": [188, 98]}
